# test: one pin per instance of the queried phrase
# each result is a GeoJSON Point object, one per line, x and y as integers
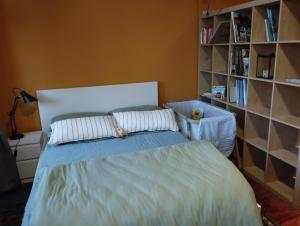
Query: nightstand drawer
{"type": "Point", "coordinates": [30, 151]}
{"type": "Point", "coordinates": [27, 168]}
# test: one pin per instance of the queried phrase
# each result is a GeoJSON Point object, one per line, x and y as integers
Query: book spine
{"type": "Point", "coordinates": [272, 24]}
{"type": "Point", "coordinates": [237, 91]}
{"type": "Point", "coordinates": [245, 91]}
{"type": "Point", "coordinates": [241, 92]}
{"type": "Point", "coordinates": [267, 28]}
{"type": "Point", "coordinates": [234, 27]}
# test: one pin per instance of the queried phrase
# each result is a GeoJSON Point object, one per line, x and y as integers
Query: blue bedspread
{"type": "Point", "coordinates": [57, 155]}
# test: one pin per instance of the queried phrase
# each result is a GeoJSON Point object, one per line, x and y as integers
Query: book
{"type": "Point", "coordinates": [272, 15]}
{"type": "Point", "coordinates": [218, 92]}
{"type": "Point", "coordinates": [232, 94]}
{"type": "Point", "coordinates": [269, 36]}
{"type": "Point", "coordinates": [206, 33]}
{"type": "Point", "coordinates": [237, 91]}
{"type": "Point", "coordinates": [244, 92]}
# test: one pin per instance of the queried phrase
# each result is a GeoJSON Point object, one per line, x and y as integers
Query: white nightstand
{"type": "Point", "coordinates": [28, 153]}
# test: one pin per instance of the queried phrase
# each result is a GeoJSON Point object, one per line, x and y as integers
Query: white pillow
{"type": "Point", "coordinates": [134, 121]}
{"type": "Point", "coordinates": [85, 128]}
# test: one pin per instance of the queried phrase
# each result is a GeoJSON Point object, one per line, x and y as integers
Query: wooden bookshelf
{"type": "Point", "coordinates": [268, 125]}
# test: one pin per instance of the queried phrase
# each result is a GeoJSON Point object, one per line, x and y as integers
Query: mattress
{"type": "Point", "coordinates": [62, 154]}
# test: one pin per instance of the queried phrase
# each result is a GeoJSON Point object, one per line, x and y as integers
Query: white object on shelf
{"type": "Point", "coordinates": [28, 153]}
{"type": "Point", "coordinates": [296, 81]}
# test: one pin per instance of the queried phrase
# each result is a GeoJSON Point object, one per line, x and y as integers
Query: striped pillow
{"type": "Point", "coordinates": [135, 121]}
{"type": "Point", "coordinates": [86, 128]}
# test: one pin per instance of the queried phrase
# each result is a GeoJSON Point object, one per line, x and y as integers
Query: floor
{"type": "Point", "coordinates": [12, 206]}
{"type": "Point", "coordinates": [276, 210]}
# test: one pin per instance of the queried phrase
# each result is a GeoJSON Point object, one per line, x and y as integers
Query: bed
{"type": "Point", "coordinates": [148, 178]}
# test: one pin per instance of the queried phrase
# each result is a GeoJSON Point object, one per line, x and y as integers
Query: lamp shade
{"type": "Point", "coordinates": [27, 98]}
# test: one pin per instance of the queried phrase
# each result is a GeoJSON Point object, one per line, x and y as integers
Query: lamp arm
{"type": "Point", "coordinates": [12, 115]}
{"type": "Point", "coordinates": [14, 107]}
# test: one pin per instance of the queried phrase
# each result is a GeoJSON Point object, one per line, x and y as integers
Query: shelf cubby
{"type": "Point", "coordinates": [281, 177]}
{"type": "Point", "coordinates": [220, 59]}
{"type": "Point", "coordinates": [205, 81]}
{"type": "Point", "coordinates": [232, 83]}
{"type": "Point", "coordinates": [220, 80]}
{"type": "Point", "coordinates": [288, 66]}
{"type": "Point", "coordinates": [289, 21]}
{"type": "Point", "coordinates": [286, 105]}
{"type": "Point", "coordinates": [259, 97]}
{"type": "Point", "coordinates": [284, 143]}
{"type": "Point", "coordinates": [240, 120]}
{"type": "Point", "coordinates": [254, 161]}
{"type": "Point", "coordinates": [222, 29]}
{"type": "Point", "coordinates": [248, 12]}
{"type": "Point", "coordinates": [258, 21]}
{"type": "Point", "coordinates": [205, 58]}
{"type": "Point", "coordinates": [256, 130]}
{"type": "Point", "coordinates": [257, 49]}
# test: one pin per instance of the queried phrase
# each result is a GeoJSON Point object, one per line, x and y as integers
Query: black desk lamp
{"type": "Point", "coordinates": [26, 99]}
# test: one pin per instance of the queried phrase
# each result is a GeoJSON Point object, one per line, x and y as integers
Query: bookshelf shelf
{"type": "Point", "coordinates": [220, 73]}
{"type": "Point", "coordinates": [282, 146]}
{"type": "Point", "coordinates": [261, 49]}
{"type": "Point", "coordinates": [259, 97]}
{"type": "Point", "coordinates": [239, 76]}
{"type": "Point", "coordinates": [288, 84]}
{"type": "Point", "coordinates": [280, 177]}
{"type": "Point", "coordinates": [289, 21]}
{"type": "Point", "coordinates": [224, 101]}
{"type": "Point", "coordinates": [259, 33]}
{"type": "Point", "coordinates": [268, 119]}
{"type": "Point", "coordinates": [204, 80]}
{"type": "Point", "coordinates": [258, 114]}
{"type": "Point", "coordinates": [235, 105]}
{"type": "Point", "coordinates": [242, 25]}
{"type": "Point", "coordinates": [254, 161]}
{"type": "Point", "coordinates": [283, 108]}
{"type": "Point", "coordinates": [218, 103]}
{"type": "Point", "coordinates": [222, 29]}
{"type": "Point", "coordinates": [220, 59]}
{"type": "Point", "coordinates": [240, 43]}
{"type": "Point", "coordinates": [205, 58]}
{"type": "Point", "coordinates": [288, 66]}
{"type": "Point", "coordinates": [256, 130]}
{"type": "Point", "coordinates": [240, 120]}
{"type": "Point", "coordinates": [261, 80]}
{"type": "Point", "coordinates": [264, 43]}
{"type": "Point", "coordinates": [235, 83]}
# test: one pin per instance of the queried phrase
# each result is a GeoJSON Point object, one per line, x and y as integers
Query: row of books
{"type": "Point", "coordinates": [241, 23]}
{"type": "Point", "coordinates": [206, 33]}
{"type": "Point", "coordinates": [271, 24]}
{"type": "Point", "coordinates": [239, 61]}
{"type": "Point", "coordinates": [238, 92]}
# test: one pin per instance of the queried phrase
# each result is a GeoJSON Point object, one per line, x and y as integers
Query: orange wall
{"type": "Point", "coordinates": [60, 43]}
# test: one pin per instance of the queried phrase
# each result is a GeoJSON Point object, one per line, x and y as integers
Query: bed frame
{"type": "Point", "coordinates": [93, 99]}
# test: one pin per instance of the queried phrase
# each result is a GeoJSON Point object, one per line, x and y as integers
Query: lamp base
{"type": "Point", "coordinates": [17, 136]}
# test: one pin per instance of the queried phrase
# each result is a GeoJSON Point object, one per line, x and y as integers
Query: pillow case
{"type": "Point", "coordinates": [76, 115]}
{"type": "Point", "coordinates": [136, 108]}
{"type": "Point", "coordinates": [135, 121]}
{"type": "Point", "coordinates": [86, 128]}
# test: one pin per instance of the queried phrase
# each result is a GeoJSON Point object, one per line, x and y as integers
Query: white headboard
{"type": "Point", "coordinates": [93, 99]}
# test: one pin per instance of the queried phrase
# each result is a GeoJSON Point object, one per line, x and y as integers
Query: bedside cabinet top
{"type": "Point", "coordinates": [29, 138]}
